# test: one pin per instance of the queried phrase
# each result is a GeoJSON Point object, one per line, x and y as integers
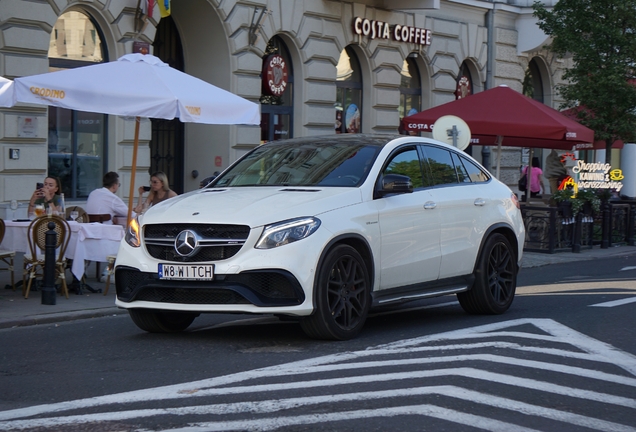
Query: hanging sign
{"type": "Point", "coordinates": [399, 33]}
{"type": "Point", "coordinates": [274, 75]}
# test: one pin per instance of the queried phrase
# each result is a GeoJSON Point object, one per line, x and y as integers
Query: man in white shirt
{"type": "Point", "coordinates": [105, 200]}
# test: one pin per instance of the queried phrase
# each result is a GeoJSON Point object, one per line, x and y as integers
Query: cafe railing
{"type": "Point", "coordinates": [549, 231]}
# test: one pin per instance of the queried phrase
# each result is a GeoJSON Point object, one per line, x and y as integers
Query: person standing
{"type": "Point", "coordinates": [535, 178]}
{"type": "Point", "coordinates": [159, 191]}
{"type": "Point", "coordinates": [105, 200]}
{"type": "Point", "coordinates": [555, 170]}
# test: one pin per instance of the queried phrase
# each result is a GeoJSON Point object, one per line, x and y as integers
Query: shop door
{"type": "Point", "coordinates": [167, 144]}
{"type": "Point", "coordinates": [275, 122]}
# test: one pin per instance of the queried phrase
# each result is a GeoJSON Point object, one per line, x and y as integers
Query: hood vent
{"type": "Point", "coordinates": [299, 190]}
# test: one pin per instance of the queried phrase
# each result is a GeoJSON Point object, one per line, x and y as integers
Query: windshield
{"type": "Point", "coordinates": [302, 164]}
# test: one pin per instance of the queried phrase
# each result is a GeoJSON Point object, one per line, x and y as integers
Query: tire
{"type": "Point", "coordinates": [342, 296]}
{"type": "Point", "coordinates": [161, 322]}
{"type": "Point", "coordinates": [495, 279]}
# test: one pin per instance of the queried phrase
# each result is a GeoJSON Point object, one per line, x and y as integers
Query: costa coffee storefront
{"type": "Point", "coordinates": [319, 67]}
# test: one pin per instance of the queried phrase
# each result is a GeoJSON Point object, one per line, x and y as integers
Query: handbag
{"type": "Point", "coordinates": [523, 183]}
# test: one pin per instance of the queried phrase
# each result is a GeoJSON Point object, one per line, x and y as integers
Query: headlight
{"type": "Point", "coordinates": [132, 233]}
{"type": "Point", "coordinates": [286, 232]}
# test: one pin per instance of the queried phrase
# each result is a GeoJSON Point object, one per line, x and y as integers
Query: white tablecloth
{"type": "Point", "coordinates": [89, 242]}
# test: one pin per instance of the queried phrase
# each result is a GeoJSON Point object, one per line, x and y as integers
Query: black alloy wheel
{"type": "Point", "coordinates": [342, 296]}
{"type": "Point", "coordinates": [495, 279]}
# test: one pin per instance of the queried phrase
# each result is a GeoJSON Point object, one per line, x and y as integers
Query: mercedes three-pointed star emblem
{"type": "Point", "coordinates": [187, 243]}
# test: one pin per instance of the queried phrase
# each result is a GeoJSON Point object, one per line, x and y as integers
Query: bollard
{"type": "Point", "coordinates": [605, 226]}
{"type": "Point", "coordinates": [576, 238]}
{"type": "Point", "coordinates": [49, 293]}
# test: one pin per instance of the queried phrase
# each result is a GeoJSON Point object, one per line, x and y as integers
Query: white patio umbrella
{"type": "Point", "coordinates": [6, 93]}
{"type": "Point", "coordinates": [140, 86]}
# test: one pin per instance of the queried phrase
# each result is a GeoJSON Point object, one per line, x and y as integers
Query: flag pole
{"type": "Point", "coordinates": [131, 195]}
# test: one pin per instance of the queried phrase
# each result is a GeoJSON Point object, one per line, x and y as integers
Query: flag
{"type": "Point", "coordinates": [147, 7]}
{"type": "Point", "coordinates": [164, 7]}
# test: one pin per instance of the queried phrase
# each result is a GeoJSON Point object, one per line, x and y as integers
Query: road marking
{"type": "Point", "coordinates": [615, 302]}
{"type": "Point", "coordinates": [409, 362]}
{"type": "Point", "coordinates": [628, 268]}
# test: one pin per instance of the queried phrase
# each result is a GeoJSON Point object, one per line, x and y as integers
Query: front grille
{"type": "Point", "coordinates": [190, 296]}
{"type": "Point", "coordinates": [217, 242]}
{"type": "Point", "coordinates": [261, 288]}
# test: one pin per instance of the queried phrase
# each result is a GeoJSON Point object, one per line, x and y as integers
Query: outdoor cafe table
{"type": "Point", "coordinates": [88, 242]}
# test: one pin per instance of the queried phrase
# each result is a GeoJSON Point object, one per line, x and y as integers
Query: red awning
{"type": "Point", "coordinates": [501, 111]}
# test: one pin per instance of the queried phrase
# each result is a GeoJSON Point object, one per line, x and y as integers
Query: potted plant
{"type": "Point", "coordinates": [590, 201]}
{"type": "Point", "coordinates": [568, 205]}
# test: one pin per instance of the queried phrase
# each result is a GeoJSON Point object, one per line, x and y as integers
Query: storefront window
{"type": "Point", "coordinates": [410, 90]}
{"type": "Point", "coordinates": [348, 93]}
{"type": "Point", "coordinates": [277, 92]}
{"type": "Point", "coordinates": [76, 139]}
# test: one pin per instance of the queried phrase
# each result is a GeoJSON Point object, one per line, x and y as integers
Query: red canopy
{"type": "Point", "coordinates": [503, 112]}
{"type": "Point", "coordinates": [596, 145]}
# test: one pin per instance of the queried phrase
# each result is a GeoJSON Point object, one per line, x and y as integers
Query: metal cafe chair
{"type": "Point", "coordinates": [82, 216]}
{"type": "Point", "coordinates": [34, 260]}
{"type": "Point", "coordinates": [6, 256]}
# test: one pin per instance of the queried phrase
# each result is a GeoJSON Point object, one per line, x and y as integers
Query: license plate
{"type": "Point", "coordinates": [186, 271]}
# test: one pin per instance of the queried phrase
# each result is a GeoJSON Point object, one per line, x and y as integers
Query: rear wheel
{"type": "Point", "coordinates": [342, 296]}
{"type": "Point", "coordinates": [495, 279]}
{"type": "Point", "coordinates": [161, 322]}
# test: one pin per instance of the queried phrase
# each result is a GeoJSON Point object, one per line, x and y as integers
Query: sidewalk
{"type": "Point", "coordinates": [16, 311]}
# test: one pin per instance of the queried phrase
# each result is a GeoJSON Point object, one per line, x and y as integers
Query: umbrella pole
{"type": "Point", "coordinates": [529, 175]}
{"type": "Point", "coordinates": [498, 142]}
{"type": "Point", "coordinates": [131, 195]}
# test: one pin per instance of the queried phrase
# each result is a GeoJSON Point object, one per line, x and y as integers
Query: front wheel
{"type": "Point", "coordinates": [495, 279]}
{"type": "Point", "coordinates": [342, 296]}
{"type": "Point", "coordinates": [161, 322]}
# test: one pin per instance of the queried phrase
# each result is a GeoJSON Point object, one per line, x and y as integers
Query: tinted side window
{"type": "Point", "coordinates": [406, 163]}
{"type": "Point", "coordinates": [474, 172]}
{"type": "Point", "coordinates": [440, 166]}
{"type": "Point", "coordinates": [462, 174]}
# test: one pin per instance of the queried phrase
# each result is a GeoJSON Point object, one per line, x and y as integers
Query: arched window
{"type": "Point", "coordinates": [348, 93]}
{"type": "Point", "coordinates": [410, 89]}
{"type": "Point", "coordinates": [277, 95]}
{"type": "Point", "coordinates": [76, 139]}
{"type": "Point", "coordinates": [532, 82]}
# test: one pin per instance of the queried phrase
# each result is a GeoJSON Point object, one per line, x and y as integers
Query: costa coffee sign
{"type": "Point", "coordinates": [274, 75]}
{"type": "Point", "coordinates": [399, 33]}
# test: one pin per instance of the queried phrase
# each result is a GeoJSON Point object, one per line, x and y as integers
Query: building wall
{"type": "Point", "coordinates": [216, 41]}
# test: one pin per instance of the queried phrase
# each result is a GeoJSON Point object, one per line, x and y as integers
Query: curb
{"type": "Point", "coordinates": [61, 317]}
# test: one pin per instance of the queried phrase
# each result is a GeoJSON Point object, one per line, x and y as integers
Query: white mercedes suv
{"type": "Point", "coordinates": [322, 229]}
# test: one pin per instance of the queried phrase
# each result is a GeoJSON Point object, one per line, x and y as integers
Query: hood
{"type": "Point", "coordinates": [253, 206]}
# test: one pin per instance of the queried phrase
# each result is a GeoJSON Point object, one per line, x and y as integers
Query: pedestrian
{"type": "Point", "coordinates": [535, 179]}
{"type": "Point", "coordinates": [105, 200]}
{"type": "Point", "coordinates": [46, 197]}
{"type": "Point", "coordinates": [159, 191]}
{"type": "Point", "coordinates": [555, 170]}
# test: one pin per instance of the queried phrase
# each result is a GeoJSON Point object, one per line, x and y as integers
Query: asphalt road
{"type": "Point", "coordinates": [562, 358]}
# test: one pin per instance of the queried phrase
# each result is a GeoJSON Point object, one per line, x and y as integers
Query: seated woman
{"type": "Point", "coordinates": [159, 191]}
{"type": "Point", "coordinates": [47, 196]}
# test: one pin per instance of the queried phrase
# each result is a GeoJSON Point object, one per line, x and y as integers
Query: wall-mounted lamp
{"type": "Point", "coordinates": [257, 22]}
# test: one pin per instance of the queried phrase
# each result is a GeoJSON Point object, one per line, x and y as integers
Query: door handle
{"type": "Point", "coordinates": [429, 205]}
{"type": "Point", "coordinates": [480, 202]}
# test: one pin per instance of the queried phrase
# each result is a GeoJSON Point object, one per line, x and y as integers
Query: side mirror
{"type": "Point", "coordinates": [394, 184]}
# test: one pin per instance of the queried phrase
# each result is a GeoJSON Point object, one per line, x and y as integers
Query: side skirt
{"type": "Point", "coordinates": [423, 290]}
